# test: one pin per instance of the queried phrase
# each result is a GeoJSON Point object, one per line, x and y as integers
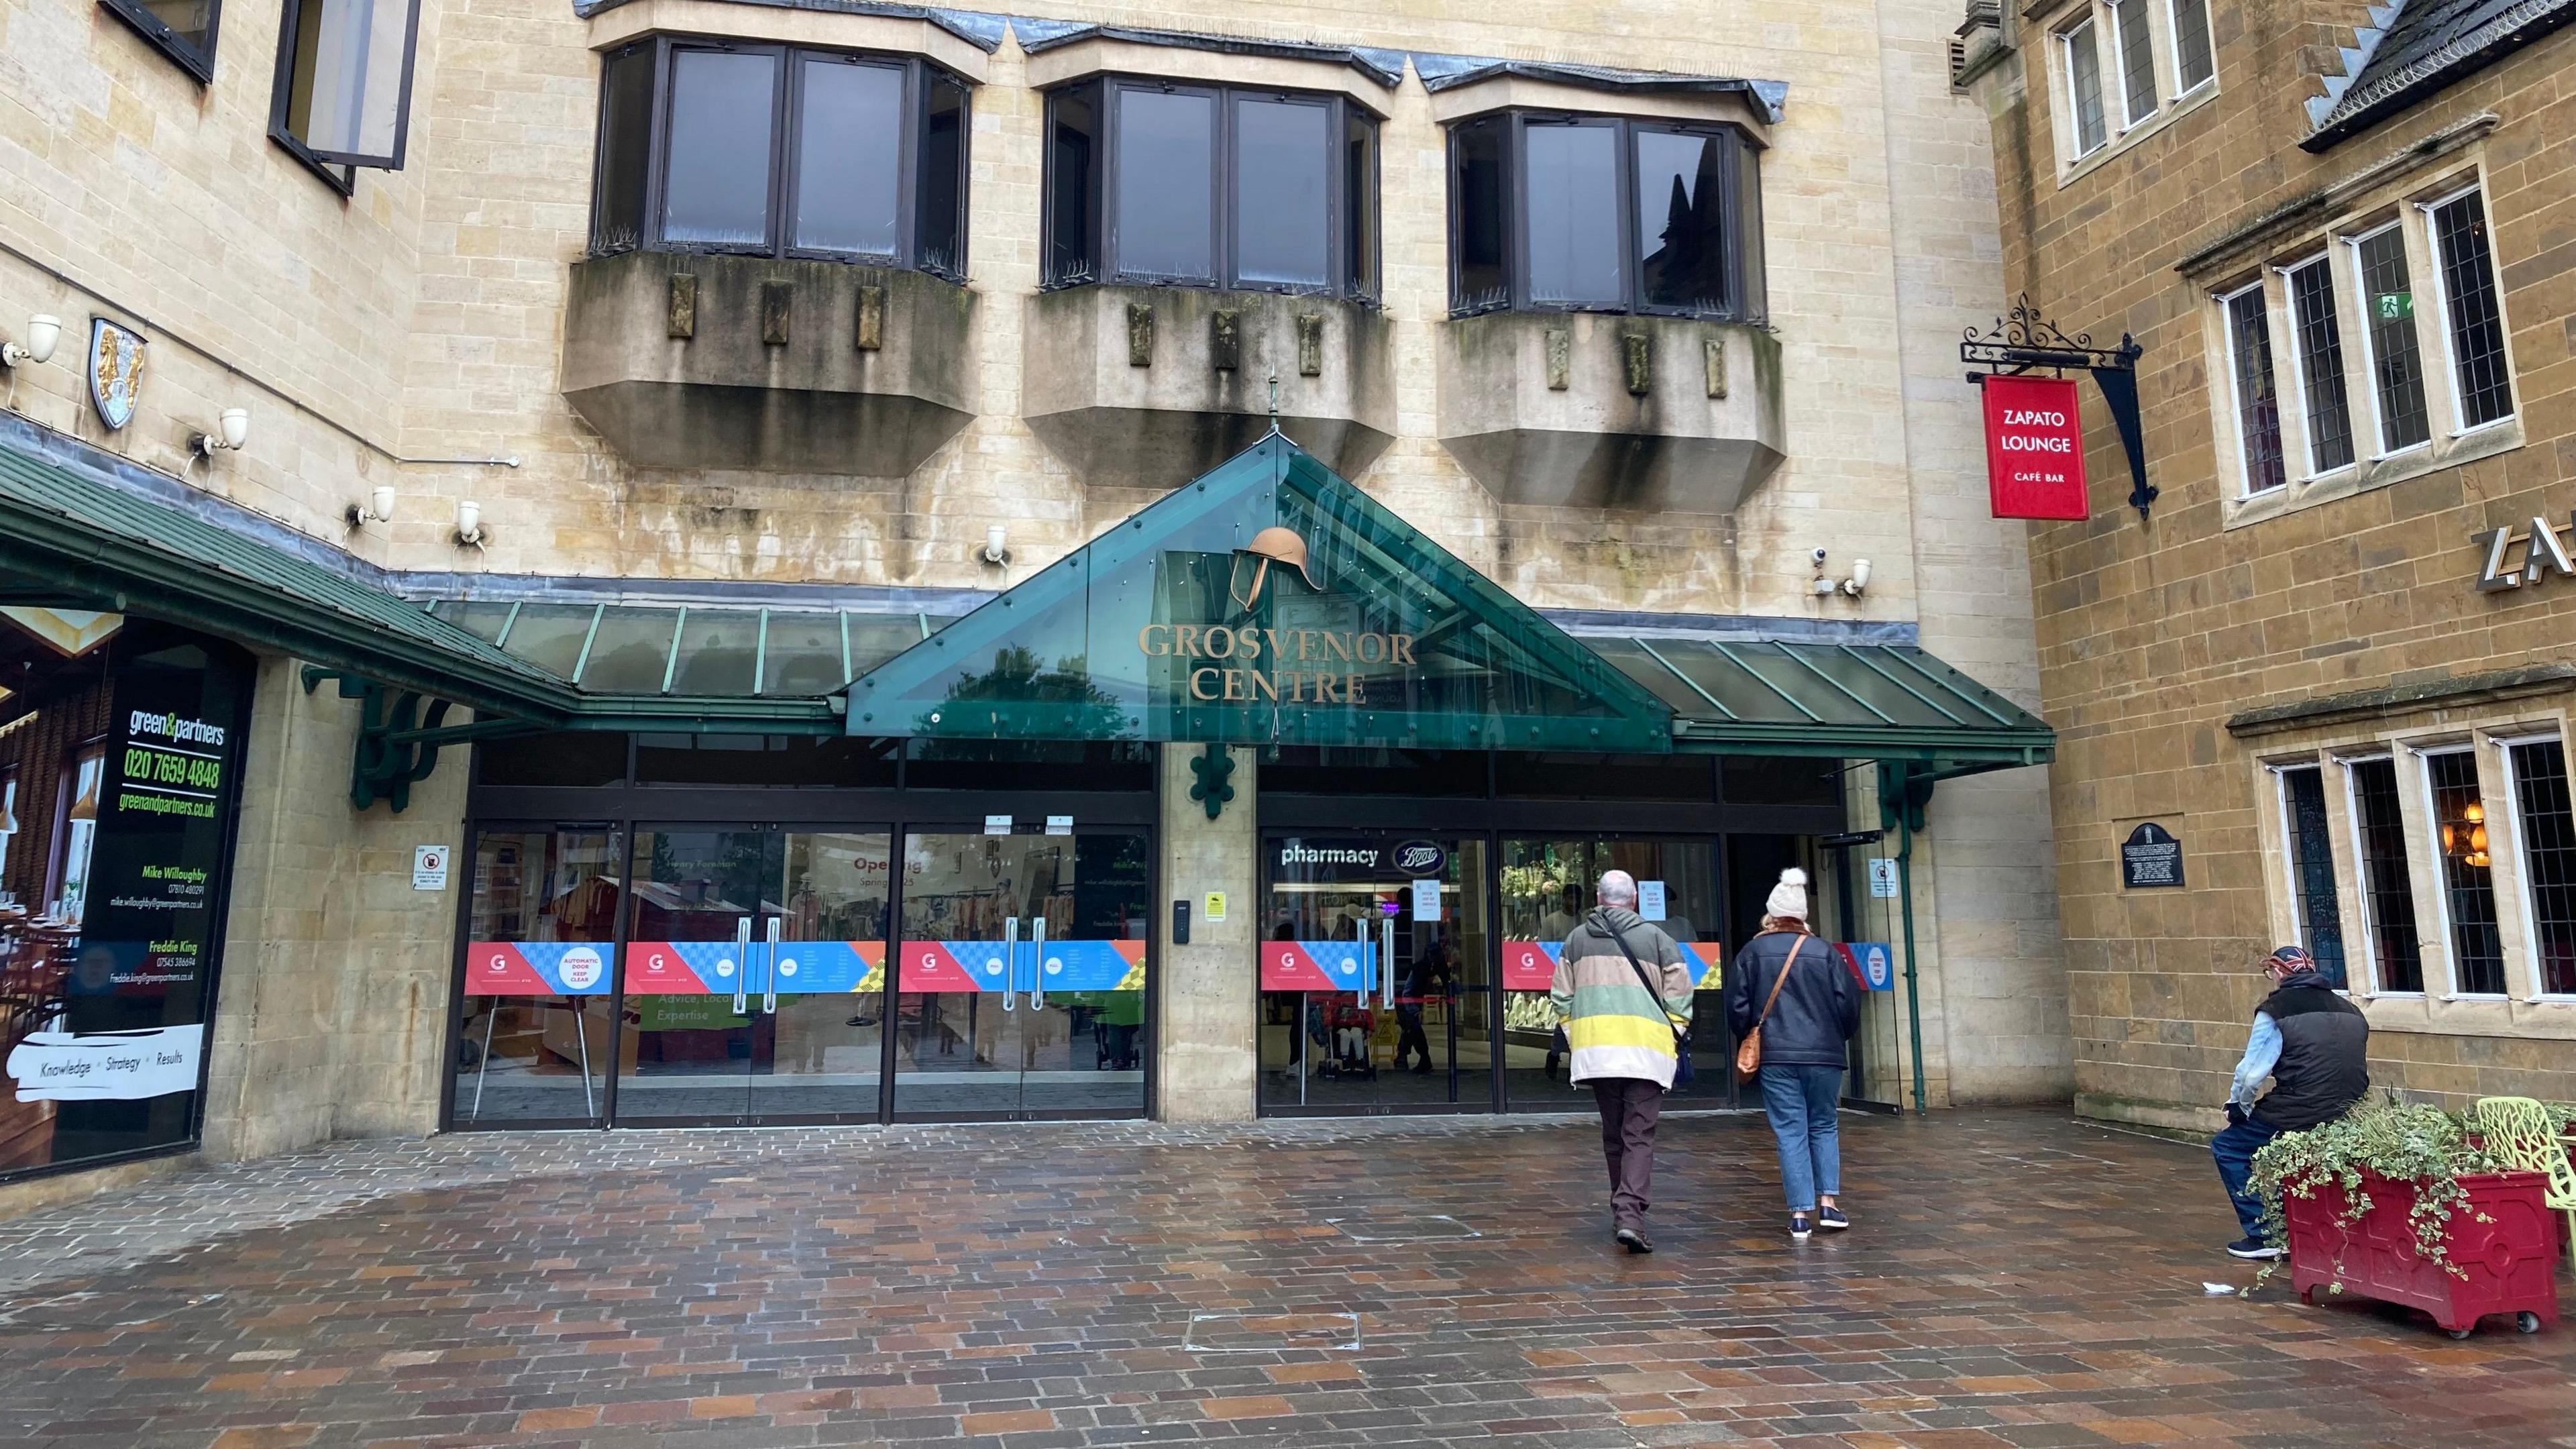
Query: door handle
{"type": "Point", "coordinates": [1010, 963]}
{"type": "Point", "coordinates": [769, 974]}
{"type": "Point", "coordinates": [1037, 963]}
{"type": "Point", "coordinates": [1368, 965]}
{"type": "Point", "coordinates": [742, 966]}
{"type": "Point", "coordinates": [1386, 977]}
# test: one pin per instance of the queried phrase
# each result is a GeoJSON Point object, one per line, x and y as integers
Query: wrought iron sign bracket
{"type": "Point", "coordinates": [398, 743]}
{"type": "Point", "coordinates": [2023, 341]}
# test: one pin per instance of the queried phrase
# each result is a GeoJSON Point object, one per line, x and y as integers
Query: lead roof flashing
{"type": "Point", "coordinates": [2418, 47]}
{"type": "Point", "coordinates": [1386, 67]}
{"type": "Point", "coordinates": [2489, 687]}
{"type": "Point", "coordinates": [1448, 72]}
{"type": "Point", "coordinates": [980, 30]}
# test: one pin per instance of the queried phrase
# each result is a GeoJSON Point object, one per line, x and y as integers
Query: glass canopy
{"type": "Point", "coordinates": [1268, 602]}
{"type": "Point", "coordinates": [664, 649]}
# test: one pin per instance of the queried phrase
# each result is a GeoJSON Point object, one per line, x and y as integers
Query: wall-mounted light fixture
{"type": "Point", "coordinates": [379, 508]}
{"type": "Point", "coordinates": [231, 431]}
{"type": "Point", "coordinates": [469, 524]}
{"type": "Point", "coordinates": [43, 331]}
{"type": "Point", "coordinates": [1859, 580]}
{"type": "Point", "coordinates": [997, 545]}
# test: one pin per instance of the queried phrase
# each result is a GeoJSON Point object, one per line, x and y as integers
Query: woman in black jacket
{"type": "Point", "coordinates": [1817, 1010]}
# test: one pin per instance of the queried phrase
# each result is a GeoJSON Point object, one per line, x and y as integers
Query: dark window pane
{"type": "Point", "coordinates": [716, 191]}
{"type": "Point", "coordinates": [2191, 41]}
{"type": "Point", "coordinates": [2477, 332]}
{"type": "Point", "coordinates": [833, 762]}
{"type": "Point", "coordinates": [190, 22]}
{"type": "Point", "coordinates": [802, 654]}
{"type": "Point", "coordinates": [551, 636]}
{"type": "Point", "coordinates": [943, 179]}
{"type": "Point", "coordinates": [570, 757]}
{"type": "Point", "coordinates": [347, 66]}
{"type": "Point", "coordinates": [1359, 194]}
{"type": "Point", "coordinates": [2387, 890]}
{"type": "Point", "coordinates": [1123, 765]}
{"type": "Point", "coordinates": [1681, 220]}
{"type": "Point", "coordinates": [849, 170]}
{"type": "Point", "coordinates": [1748, 205]}
{"type": "Point", "coordinates": [2312, 871]}
{"type": "Point", "coordinates": [1072, 185]}
{"type": "Point", "coordinates": [2084, 81]}
{"type": "Point", "coordinates": [1477, 281]}
{"type": "Point", "coordinates": [717, 651]}
{"type": "Point", "coordinates": [1283, 154]}
{"type": "Point", "coordinates": [1339, 770]}
{"type": "Point", "coordinates": [2549, 860]}
{"type": "Point", "coordinates": [1166, 209]}
{"type": "Point", "coordinates": [631, 653]}
{"type": "Point", "coordinates": [1791, 780]}
{"type": "Point", "coordinates": [2321, 366]}
{"type": "Point", "coordinates": [1573, 215]}
{"type": "Point", "coordinates": [2137, 59]}
{"type": "Point", "coordinates": [2258, 408]}
{"type": "Point", "coordinates": [625, 149]}
{"type": "Point", "coordinates": [2396, 366]}
{"type": "Point", "coordinates": [2468, 882]}
{"type": "Point", "coordinates": [1520, 775]}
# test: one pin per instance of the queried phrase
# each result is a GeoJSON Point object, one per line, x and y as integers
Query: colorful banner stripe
{"type": "Point", "coordinates": [1318, 966]}
{"type": "Point", "coordinates": [1531, 965]}
{"type": "Point", "coordinates": [993, 966]}
{"type": "Point", "coordinates": [536, 968]}
{"type": "Point", "coordinates": [685, 968]}
{"type": "Point", "coordinates": [820, 968]}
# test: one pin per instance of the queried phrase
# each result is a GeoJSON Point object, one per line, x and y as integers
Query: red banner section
{"type": "Point", "coordinates": [2034, 448]}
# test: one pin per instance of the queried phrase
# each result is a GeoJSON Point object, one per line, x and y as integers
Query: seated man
{"type": "Point", "coordinates": [2315, 1046]}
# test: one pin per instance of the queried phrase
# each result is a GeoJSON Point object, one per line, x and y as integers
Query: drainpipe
{"type": "Point", "coordinates": [1900, 808]}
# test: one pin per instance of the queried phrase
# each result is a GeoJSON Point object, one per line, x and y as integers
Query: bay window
{"type": "Point", "coordinates": [1161, 183]}
{"type": "Point", "coordinates": [1605, 214]}
{"type": "Point", "coordinates": [781, 151]}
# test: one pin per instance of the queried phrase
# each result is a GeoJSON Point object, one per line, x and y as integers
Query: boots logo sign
{"type": "Point", "coordinates": [2515, 557]}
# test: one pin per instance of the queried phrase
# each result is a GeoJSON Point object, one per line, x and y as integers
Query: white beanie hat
{"type": "Point", "coordinates": [1789, 897]}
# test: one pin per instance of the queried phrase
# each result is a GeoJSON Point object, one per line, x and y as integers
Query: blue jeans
{"type": "Point", "coordinates": [2235, 1149]}
{"type": "Point", "coordinates": [1801, 1103]}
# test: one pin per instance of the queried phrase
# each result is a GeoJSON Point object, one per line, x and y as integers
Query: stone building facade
{"type": "Point", "coordinates": [2333, 660]}
{"type": "Point", "coordinates": [801, 433]}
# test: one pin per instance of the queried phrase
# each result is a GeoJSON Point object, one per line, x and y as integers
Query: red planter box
{"type": "Point", "coordinates": [2511, 1262]}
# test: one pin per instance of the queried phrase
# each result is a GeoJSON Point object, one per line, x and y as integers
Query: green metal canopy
{"type": "Point", "coordinates": [1269, 602]}
{"type": "Point", "coordinates": [1194, 620]}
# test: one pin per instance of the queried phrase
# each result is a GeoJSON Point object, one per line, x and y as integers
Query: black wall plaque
{"type": "Point", "coordinates": [2149, 858]}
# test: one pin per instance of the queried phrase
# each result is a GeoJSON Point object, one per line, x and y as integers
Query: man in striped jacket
{"type": "Point", "coordinates": [1622, 1037]}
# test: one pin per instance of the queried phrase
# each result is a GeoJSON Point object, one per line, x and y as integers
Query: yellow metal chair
{"type": "Point", "coordinates": [2524, 1133]}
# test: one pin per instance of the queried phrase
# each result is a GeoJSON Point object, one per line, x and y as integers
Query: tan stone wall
{"type": "Point", "coordinates": [2151, 636]}
{"type": "Point", "coordinates": [423, 319]}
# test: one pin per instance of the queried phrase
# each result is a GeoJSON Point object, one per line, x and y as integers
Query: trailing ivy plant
{"type": "Point", "coordinates": [2403, 1142]}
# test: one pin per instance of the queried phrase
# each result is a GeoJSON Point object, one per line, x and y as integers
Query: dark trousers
{"type": "Point", "coordinates": [2234, 1149]}
{"type": "Point", "coordinates": [1412, 1039]}
{"type": "Point", "coordinates": [1629, 1108]}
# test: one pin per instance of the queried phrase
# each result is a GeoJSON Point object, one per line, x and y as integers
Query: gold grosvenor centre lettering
{"type": "Point", "coordinates": [1215, 684]}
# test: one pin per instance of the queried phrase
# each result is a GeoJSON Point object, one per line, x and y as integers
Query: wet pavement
{"type": "Point", "coordinates": [2013, 1278]}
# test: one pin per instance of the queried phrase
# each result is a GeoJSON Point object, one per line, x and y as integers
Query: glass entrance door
{"type": "Point", "coordinates": [754, 974]}
{"type": "Point", "coordinates": [1375, 994]}
{"type": "Point", "coordinates": [1020, 981]}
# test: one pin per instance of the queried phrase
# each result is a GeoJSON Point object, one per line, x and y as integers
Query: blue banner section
{"type": "Point", "coordinates": [815, 968]}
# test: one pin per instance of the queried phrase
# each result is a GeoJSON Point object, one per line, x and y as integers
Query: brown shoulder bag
{"type": "Point", "coordinates": [1748, 1053]}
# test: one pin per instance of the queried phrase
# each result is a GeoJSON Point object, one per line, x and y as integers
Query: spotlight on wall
{"type": "Point", "coordinates": [379, 508]}
{"type": "Point", "coordinates": [43, 331]}
{"type": "Point", "coordinates": [232, 430]}
{"type": "Point", "coordinates": [1858, 583]}
{"type": "Point", "coordinates": [997, 545]}
{"type": "Point", "coordinates": [469, 524]}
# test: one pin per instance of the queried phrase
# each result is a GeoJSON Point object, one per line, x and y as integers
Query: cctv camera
{"type": "Point", "coordinates": [1817, 554]}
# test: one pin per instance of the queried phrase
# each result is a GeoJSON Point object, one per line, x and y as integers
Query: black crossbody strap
{"type": "Point", "coordinates": [1679, 1037]}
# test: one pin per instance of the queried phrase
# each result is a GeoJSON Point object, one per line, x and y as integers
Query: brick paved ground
{"type": "Point", "coordinates": [2014, 1279]}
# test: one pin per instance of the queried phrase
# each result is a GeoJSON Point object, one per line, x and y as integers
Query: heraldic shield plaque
{"type": "Point", "coordinates": [115, 371]}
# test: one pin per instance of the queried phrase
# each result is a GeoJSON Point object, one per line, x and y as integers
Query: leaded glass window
{"type": "Point", "coordinates": [2396, 360]}
{"type": "Point", "coordinates": [2387, 886]}
{"type": "Point", "coordinates": [2320, 339]}
{"type": "Point", "coordinates": [2467, 873]}
{"type": "Point", "coordinates": [2258, 405]}
{"type": "Point", "coordinates": [2548, 830]}
{"type": "Point", "coordinates": [2312, 869]}
{"type": "Point", "coordinates": [2084, 88]}
{"type": "Point", "coordinates": [2469, 298]}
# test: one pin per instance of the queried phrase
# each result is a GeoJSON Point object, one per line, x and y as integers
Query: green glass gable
{"type": "Point", "coordinates": [1170, 626]}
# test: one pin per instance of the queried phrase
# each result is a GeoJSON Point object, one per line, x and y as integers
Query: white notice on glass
{"type": "Point", "coordinates": [1882, 876]}
{"type": "Point", "coordinates": [997, 825]}
{"type": "Point", "coordinates": [1059, 825]}
{"type": "Point", "coordinates": [1650, 899]}
{"type": "Point", "coordinates": [1426, 900]}
{"type": "Point", "coordinates": [114, 1066]}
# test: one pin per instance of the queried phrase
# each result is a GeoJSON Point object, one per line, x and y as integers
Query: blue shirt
{"type": "Point", "coordinates": [2262, 1054]}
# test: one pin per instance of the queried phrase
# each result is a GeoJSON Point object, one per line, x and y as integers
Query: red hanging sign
{"type": "Point", "coordinates": [2034, 448]}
